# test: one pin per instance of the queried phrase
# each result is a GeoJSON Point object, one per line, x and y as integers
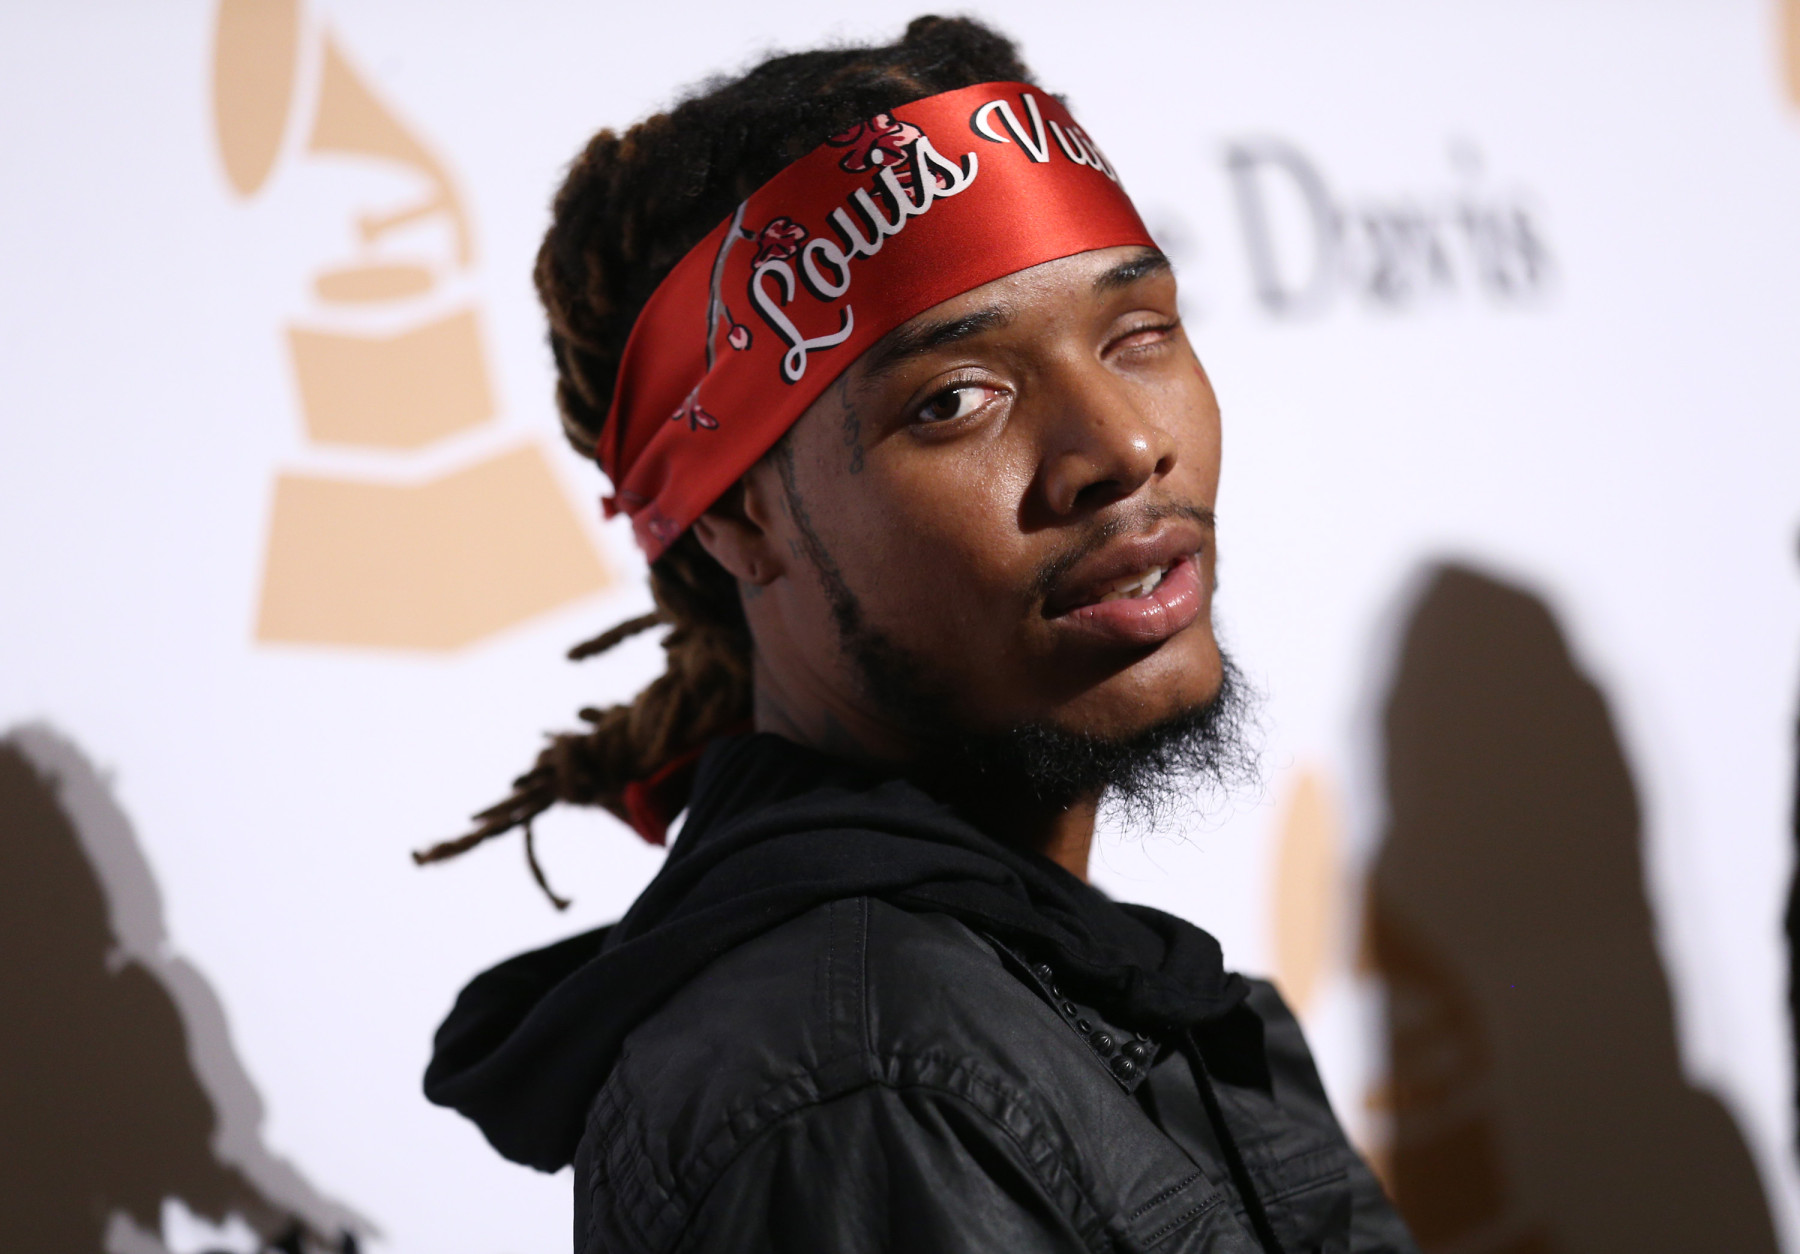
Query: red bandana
{"type": "Point", "coordinates": [874, 227]}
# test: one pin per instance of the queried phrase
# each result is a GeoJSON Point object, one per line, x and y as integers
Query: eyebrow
{"type": "Point", "coordinates": [1147, 263]}
{"type": "Point", "coordinates": [904, 344]}
{"type": "Point", "coordinates": [908, 342]}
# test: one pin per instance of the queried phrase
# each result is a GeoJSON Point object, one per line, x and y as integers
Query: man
{"type": "Point", "coordinates": [892, 383]}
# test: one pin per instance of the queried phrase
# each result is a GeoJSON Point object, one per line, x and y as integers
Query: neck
{"type": "Point", "coordinates": [1065, 835]}
{"type": "Point", "coordinates": [1070, 838]}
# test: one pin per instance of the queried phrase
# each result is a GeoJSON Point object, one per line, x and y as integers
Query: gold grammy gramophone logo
{"type": "Point", "coordinates": [1790, 48]}
{"type": "Point", "coordinates": [399, 561]}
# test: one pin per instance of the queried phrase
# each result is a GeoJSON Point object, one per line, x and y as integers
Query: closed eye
{"type": "Point", "coordinates": [1146, 337]}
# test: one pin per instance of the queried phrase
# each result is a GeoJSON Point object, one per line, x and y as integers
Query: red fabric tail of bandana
{"type": "Point", "coordinates": [651, 804]}
{"type": "Point", "coordinates": [900, 213]}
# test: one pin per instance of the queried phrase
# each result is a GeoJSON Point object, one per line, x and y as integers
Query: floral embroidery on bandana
{"type": "Point", "coordinates": [881, 141]}
{"type": "Point", "coordinates": [665, 529]}
{"type": "Point", "coordinates": [697, 418]}
{"type": "Point", "coordinates": [779, 240]}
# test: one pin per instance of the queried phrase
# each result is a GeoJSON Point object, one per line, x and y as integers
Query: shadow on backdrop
{"type": "Point", "coordinates": [1793, 905]}
{"type": "Point", "coordinates": [1538, 1099]}
{"type": "Point", "coordinates": [119, 1087]}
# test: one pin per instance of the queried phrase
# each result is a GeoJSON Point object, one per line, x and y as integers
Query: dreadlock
{"type": "Point", "coordinates": [631, 208]}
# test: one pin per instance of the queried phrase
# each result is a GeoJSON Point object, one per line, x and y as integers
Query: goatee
{"type": "Point", "coordinates": [1147, 776]}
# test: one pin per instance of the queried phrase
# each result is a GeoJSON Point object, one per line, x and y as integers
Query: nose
{"type": "Point", "coordinates": [1100, 443]}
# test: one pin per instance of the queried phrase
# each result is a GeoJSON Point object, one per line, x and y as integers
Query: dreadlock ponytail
{"type": "Point", "coordinates": [630, 209]}
{"type": "Point", "coordinates": [703, 692]}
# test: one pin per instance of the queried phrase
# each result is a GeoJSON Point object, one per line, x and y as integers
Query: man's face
{"type": "Point", "coordinates": [1013, 492]}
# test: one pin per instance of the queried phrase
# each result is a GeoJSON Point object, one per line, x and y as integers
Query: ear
{"type": "Point", "coordinates": [738, 532]}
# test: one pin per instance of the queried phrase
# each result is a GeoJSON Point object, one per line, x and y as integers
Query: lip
{"type": "Point", "coordinates": [1089, 578]}
{"type": "Point", "coordinates": [1168, 608]}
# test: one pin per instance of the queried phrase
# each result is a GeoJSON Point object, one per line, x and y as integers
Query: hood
{"type": "Point", "coordinates": [773, 831]}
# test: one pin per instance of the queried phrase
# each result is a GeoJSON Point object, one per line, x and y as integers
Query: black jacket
{"type": "Point", "coordinates": [975, 1052]}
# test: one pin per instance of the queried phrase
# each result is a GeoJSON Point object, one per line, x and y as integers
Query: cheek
{"type": "Point", "coordinates": [936, 537]}
{"type": "Point", "coordinates": [1193, 420]}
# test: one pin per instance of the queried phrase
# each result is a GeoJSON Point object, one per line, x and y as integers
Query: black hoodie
{"type": "Point", "coordinates": [773, 831]}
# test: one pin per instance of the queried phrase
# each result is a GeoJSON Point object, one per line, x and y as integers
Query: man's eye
{"type": "Point", "coordinates": [1147, 336]}
{"type": "Point", "coordinates": [956, 402]}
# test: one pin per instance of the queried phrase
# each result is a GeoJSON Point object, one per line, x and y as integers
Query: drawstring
{"type": "Point", "coordinates": [1240, 1174]}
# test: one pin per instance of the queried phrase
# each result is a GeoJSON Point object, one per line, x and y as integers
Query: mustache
{"type": "Point", "coordinates": [1102, 533]}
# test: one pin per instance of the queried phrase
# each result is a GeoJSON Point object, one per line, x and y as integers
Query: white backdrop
{"type": "Point", "coordinates": [1559, 341]}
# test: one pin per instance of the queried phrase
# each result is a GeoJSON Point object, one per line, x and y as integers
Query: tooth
{"type": "Point", "coordinates": [1140, 585]}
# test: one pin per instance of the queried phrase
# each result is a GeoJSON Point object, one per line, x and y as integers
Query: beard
{"type": "Point", "coordinates": [1147, 775]}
